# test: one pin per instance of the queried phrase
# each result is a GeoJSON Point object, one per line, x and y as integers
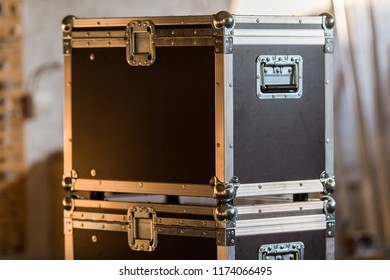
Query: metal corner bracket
{"type": "Point", "coordinates": [224, 193]}
{"type": "Point", "coordinates": [223, 24]}
{"type": "Point", "coordinates": [328, 23]}
{"type": "Point", "coordinates": [68, 181]}
{"type": "Point", "coordinates": [328, 182]}
{"type": "Point", "coordinates": [67, 27]}
{"type": "Point", "coordinates": [226, 237]}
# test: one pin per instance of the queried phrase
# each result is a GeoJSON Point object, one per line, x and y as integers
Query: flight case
{"type": "Point", "coordinates": [228, 116]}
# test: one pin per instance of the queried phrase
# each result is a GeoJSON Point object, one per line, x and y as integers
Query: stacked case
{"type": "Point", "coordinates": [230, 117]}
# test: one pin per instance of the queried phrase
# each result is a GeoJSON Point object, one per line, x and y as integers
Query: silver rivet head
{"type": "Point", "coordinates": [92, 56]}
{"type": "Point", "coordinates": [94, 238]}
{"type": "Point", "coordinates": [93, 172]}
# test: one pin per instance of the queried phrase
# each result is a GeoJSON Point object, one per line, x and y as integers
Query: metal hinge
{"type": "Point", "coordinates": [142, 231]}
{"type": "Point", "coordinates": [140, 46]}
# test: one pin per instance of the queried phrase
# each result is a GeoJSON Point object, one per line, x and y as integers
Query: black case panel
{"type": "Point", "coordinates": [274, 139]}
{"type": "Point", "coordinates": [112, 245]}
{"type": "Point", "coordinates": [151, 123]}
{"type": "Point", "coordinates": [247, 247]}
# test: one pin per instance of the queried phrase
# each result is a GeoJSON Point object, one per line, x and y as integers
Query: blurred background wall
{"type": "Point", "coordinates": [30, 200]}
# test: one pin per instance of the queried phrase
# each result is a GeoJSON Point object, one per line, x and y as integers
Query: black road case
{"type": "Point", "coordinates": [229, 108]}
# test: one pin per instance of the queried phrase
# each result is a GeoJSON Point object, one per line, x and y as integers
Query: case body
{"type": "Point", "coordinates": [236, 110]}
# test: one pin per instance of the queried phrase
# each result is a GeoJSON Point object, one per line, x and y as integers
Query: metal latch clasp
{"type": "Point", "coordinates": [142, 232]}
{"type": "Point", "coordinates": [282, 251]}
{"type": "Point", "coordinates": [140, 47]}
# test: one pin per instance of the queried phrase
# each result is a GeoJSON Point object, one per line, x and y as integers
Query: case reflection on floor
{"type": "Point", "coordinates": [199, 137]}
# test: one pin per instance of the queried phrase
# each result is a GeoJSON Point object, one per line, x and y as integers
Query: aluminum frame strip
{"type": "Point", "coordinates": [166, 208]}
{"type": "Point", "coordinates": [67, 114]}
{"type": "Point", "coordinates": [330, 248]}
{"type": "Point", "coordinates": [277, 188]}
{"type": "Point", "coordinates": [123, 219]}
{"type": "Point", "coordinates": [295, 40]}
{"type": "Point", "coordinates": [224, 116]}
{"type": "Point", "coordinates": [278, 19]}
{"type": "Point", "coordinates": [280, 207]}
{"type": "Point", "coordinates": [280, 225]}
{"type": "Point", "coordinates": [158, 21]}
{"type": "Point", "coordinates": [329, 112]}
{"type": "Point", "coordinates": [279, 33]}
{"type": "Point", "coordinates": [99, 226]}
{"type": "Point", "coordinates": [159, 42]}
{"type": "Point", "coordinates": [143, 187]}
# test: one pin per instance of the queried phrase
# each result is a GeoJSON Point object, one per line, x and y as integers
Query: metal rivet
{"type": "Point", "coordinates": [204, 233]}
{"type": "Point", "coordinates": [195, 42]}
{"type": "Point", "coordinates": [87, 44]}
{"type": "Point", "coordinates": [218, 145]}
{"type": "Point", "coordinates": [327, 82]}
{"type": "Point", "coordinates": [260, 211]}
{"type": "Point", "coordinates": [68, 84]}
{"type": "Point", "coordinates": [98, 23]}
{"type": "Point", "coordinates": [301, 208]}
{"type": "Point", "coordinates": [92, 56]}
{"type": "Point", "coordinates": [231, 146]}
{"type": "Point", "coordinates": [217, 49]}
{"type": "Point", "coordinates": [82, 225]}
{"type": "Point", "coordinates": [94, 238]}
{"type": "Point", "coordinates": [123, 227]}
{"type": "Point", "coordinates": [108, 34]}
{"type": "Point", "coordinates": [300, 184]}
{"type": "Point", "coordinates": [232, 241]}
{"type": "Point", "coordinates": [185, 211]}
{"type": "Point", "coordinates": [173, 32]}
{"type": "Point", "coordinates": [328, 49]}
{"type": "Point", "coordinates": [173, 43]}
{"type": "Point", "coordinates": [300, 21]}
{"type": "Point", "coordinates": [230, 84]}
{"type": "Point", "coordinates": [260, 187]}
{"type": "Point", "coordinates": [217, 84]}
{"type": "Point", "coordinates": [182, 231]}
{"type": "Point", "coordinates": [258, 20]}
{"type": "Point", "coordinates": [108, 43]}
{"type": "Point", "coordinates": [195, 31]}
{"type": "Point", "coordinates": [103, 226]}
{"type": "Point", "coordinates": [219, 241]}
{"type": "Point", "coordinates": [327, 141]}
{"type": "Point", "coordinates": [204, 223]}
{"type": "Point", "coordinates": [140, 184]}
{"type": "Point", "coordinates": [184, 187]}
{"type": "Point", "coordinates": [103, 216]}
{"type": "Point", "coordinates": [82, 215]}
{"type": "Point", "coordinates": [93, 172]}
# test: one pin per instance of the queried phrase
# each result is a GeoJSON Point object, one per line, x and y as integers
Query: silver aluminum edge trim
{"type": "Point", "coordinates": [67, 114]}
{"type": "Point", "coordinates": [296, 220]}
{"type": "Point", "coordinates": [114, 22]}
{"type": "Point", "coordinates": [330, 248]}
{"type": "Point", "coordinates": [224, 116]}
{"type": "Point", "coordinates": [186, 223]}
{"type": "Point", "coordinates": [144, 187]}
{"type": "Point", "coordinates": [159, 42]}
{"type": "Point", "coordinates": [204, 233]}
{"type": "Point", "coordinates": [69, 247]}
{"type": "Point", "coordinates": [329, 121]}
{"type": "Point", "coordinates": [278, 19]}
{"type": "Point", "coordinates": [99, 226]}
{"type": "Point", "coordinates": [219, 117]}
{"type": "Point", "coordinates": [166, 208]}
{"type": "Point", "coordinates": [314, 33]}
{"type": "Point", "coordinates": [280, 228]}
{"type": "Point", "coordinates": [226, 252]}
{"type": "Point", "coordinates": [282, 207]}
{"type": "Point", "coordinates": [228, 112]}
{"type": "Point", "coordinates": [79, 215]}
{"type": "Point", "coordinates": [280, 224]}
{"type": "Point", "coordinates": [276, 188]}
{"type": "Point", "coordinates": [103, 217]}
{"type": "Point", "coordinates": [279, 40]}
